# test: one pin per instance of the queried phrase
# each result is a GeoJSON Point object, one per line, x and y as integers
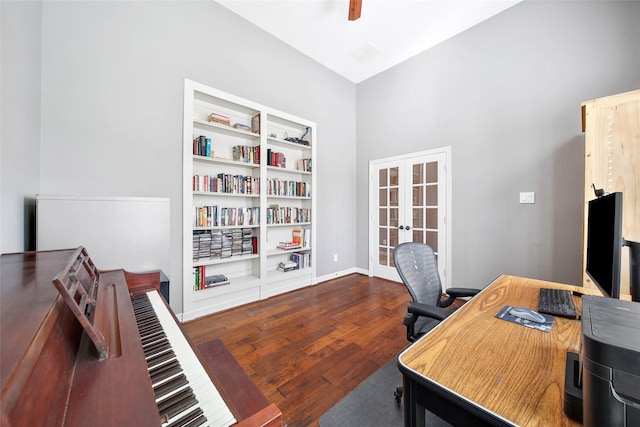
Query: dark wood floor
{"type": "Point", "coordinates": [309, 348]}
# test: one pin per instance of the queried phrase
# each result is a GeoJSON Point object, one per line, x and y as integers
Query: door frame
{"type": "Point", "coordinates": [373, 226]}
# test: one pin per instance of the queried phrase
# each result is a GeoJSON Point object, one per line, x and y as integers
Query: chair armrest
{"type": "Point", "coordinates": [462, 292]}
{"type": "Point", "coordinates": [428, 311]}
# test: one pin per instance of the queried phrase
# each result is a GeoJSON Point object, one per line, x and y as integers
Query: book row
{"type": "Point", "coordinates": [277, 187]}
{"type": "Point", "coordinates": [304, 165]}
{"type": "Point", "coordinates": [219, 244]}
{"type": "Point", "coordinates": [287, 215]}
{"type": "Point", "coordinates": [216, 216]}
{"type": "Point", "coordinates": [226, 183]}
{"type": "Point", "coordinates": [202, 146]}
{"type": "Point", "coordinates": [296, 261]}
{"type": "Point", "coordinates": [276, 159]}
{"type": "Point", "coordinates": [246, 154]}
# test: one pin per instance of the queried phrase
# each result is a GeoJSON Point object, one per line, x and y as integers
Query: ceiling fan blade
{"type": "Point", "coordinates": [355, 7]}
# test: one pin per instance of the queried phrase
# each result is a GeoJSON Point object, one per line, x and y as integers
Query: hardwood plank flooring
{"type": "Point", "coordinates": [309, 348]}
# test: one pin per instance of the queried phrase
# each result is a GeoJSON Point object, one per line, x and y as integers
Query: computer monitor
{"type": "Point", "coordinates": [604, 243]}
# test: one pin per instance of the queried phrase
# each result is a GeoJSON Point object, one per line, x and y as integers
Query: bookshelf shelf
{"type": "Point", "coordinates": [223, 194]}
{"type": "Point", "coordinates": [220, 160]}
{"type": "Point", "coordinates": [245, 142]}
{"type": "Point", "coordinates": [275, 169]}
{"type": "Point", "coordinates": [234, 258]}
{"type": "Point", "coordinates": [225, 128]}
{"type": "Point", "coordinates": [287, 144]}
{"type": "Point", "coordinates": [275, 252]}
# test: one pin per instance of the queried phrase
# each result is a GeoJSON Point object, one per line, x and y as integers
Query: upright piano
{"type": "Point", "coordinates": [80, 346]}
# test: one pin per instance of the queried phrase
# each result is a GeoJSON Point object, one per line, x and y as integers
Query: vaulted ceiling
{"type": "Point", "coordinates": [388, 31]}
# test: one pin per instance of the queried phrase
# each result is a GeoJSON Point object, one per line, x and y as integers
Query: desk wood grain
{"type": "Point", "coordinates": [513, 371]}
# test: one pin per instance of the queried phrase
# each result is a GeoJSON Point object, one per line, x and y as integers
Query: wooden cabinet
{"type": "Point", "coordinates": [249, 186]}
{"type": "Point", "coordinates": [612, 162]}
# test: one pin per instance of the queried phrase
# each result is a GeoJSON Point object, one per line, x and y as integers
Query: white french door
{"type": "Point", "coordinates": [409, 202]}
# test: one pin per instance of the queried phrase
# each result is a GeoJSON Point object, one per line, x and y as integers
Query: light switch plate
{"type": "Point", "coordinates": [527, 197]}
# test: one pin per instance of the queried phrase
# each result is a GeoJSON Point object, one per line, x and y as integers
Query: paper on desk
{"type": "Point", "coordinates": [545, 327]}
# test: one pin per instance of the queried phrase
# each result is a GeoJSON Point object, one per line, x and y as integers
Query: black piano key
{"type": "Point", "coordinates": [155, 336]}
{"type": "Point", "coordinates": [165, 371]}
{"type": "Point", "coordinates": [192, 419]}
{"type": "Point", "coordinates": [160, 358]}
{"type": "Point", "coordinates": [177, 403]}
{"type": "Point", "coordinates": [155, 347]}
{"type": "Point", "coordinates": [167, 387]}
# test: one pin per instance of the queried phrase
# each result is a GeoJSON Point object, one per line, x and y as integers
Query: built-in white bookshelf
{"type": "Point", "coordinates": [249, 185]}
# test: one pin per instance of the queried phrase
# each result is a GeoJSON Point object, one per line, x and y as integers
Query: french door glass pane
{"type": "Point", "coordinates": [382, 216]}
{"type": "Point", "coordinates": [432, 218]}
{"type": "Point", "coordinates": [418, 173]}
{"type": "Point", "coordinates": [393, 176]}
{"type": "Point", "coordinates": [382, 236]}
{"type": "Point", "coordinates": [432, 195]}
{"type": "Point", "coordinates": [418, 218]}
{"type": "Point", "coordinates": [382, 196]}
{"type": "Point", "coordinates": [418, 199]}
{"type": "Point", "coordinates": [382, 178]}
{"type": "Point", "coordinates": [393, 237]}
{"type": "Point", "coordinates": [382, 256]}
{"type": "Point", "coordinates": [432, 240]}
{"type": "Point", "coordinates": [393, 196]}
{"type": "Point", "coordinates": [393, 217]}
{"type": "Point", "coordinates": [432, 172]}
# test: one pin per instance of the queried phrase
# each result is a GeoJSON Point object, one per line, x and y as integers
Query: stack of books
{"type": "Point", "coordinates": [219, 118]}
{"type": "Point", "coordinates": [289, 245]}
{"type": "Point", "coordinates": [287, 266]}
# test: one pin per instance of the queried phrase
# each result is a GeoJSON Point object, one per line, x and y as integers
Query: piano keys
{"type": "Point", "coordinates": [52, 372]}
{"type": "Point", "coordinates": [165, 347]}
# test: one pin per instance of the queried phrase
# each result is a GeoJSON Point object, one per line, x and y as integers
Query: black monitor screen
{"type": "Point", "coordinates": [604, 243]}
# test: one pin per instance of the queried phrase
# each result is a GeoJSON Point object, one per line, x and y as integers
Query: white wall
{"type": "Point", "coordinates": [21, 36]}
{"type": "Point", "coordinates": [111, 86]}
{"type": "Point", "coordinates": [506, 96]}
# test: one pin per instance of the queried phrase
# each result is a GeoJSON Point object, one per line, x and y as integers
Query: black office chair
{"type": "Point", "coordinates": [416, 264]}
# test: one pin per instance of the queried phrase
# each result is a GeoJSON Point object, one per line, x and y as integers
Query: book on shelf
{"type": "Point", "coordinates": [296, 236]}
{"type": "Point", "coordinates": [255, 123]}
{"type": "Point", "coordinates": [306, 238]}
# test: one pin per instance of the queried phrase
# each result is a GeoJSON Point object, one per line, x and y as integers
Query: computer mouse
{"type": "Point", "coordinates": [528, 314]}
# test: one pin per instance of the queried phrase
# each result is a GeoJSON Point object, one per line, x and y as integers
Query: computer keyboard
{"type": "Point", "coordinates": [557, 302]}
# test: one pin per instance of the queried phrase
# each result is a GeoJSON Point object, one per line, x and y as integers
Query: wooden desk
{"type": "Point", "coordinates": [476, 369]}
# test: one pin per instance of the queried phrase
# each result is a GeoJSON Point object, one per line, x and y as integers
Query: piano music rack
{"type": "Point", "coordinates": [78, 284]}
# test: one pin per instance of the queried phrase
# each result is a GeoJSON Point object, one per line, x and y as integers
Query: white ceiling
{"type": "Point", "coordinates": [387, 33]}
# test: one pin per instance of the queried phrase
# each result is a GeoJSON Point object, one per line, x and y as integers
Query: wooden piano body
{"type": "Point", "coordinates": [51, 373]}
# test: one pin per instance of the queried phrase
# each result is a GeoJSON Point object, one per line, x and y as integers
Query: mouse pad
{"type": "Point", "coordinates": [545, 327]}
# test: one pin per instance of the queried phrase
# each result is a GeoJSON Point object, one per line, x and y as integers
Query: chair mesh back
{"type": "Point", "coordinates": [416, 264]}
